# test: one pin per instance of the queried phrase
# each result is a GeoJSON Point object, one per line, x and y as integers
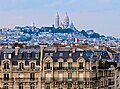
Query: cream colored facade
{"type": "Point", "coordinates": [60, 73]}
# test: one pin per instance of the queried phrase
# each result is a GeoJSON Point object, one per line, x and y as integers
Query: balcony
{"type": "Point", "coordinates": [111, 75]}
{"type": "Point", "coordinates": [48, 69]}
{"type": "Point", "coordinates": [47, 80]}
{"type": "Point", "coordinates": [94, 68]}
{"type": "Point", "coordinates": [111, 83]}
{"type": "Point", "coordinates": [26, 79]}
{"type": "Point", "coordinates": [6, 70]}
{"type": "Point", "coordinates": [58, 68]}
{"type": "Point", "coordinates": [95, 78]}
{"type": "Point", "coordinates": [10, 80]}
{"type": "Point", "coordinates": [80, 68]}
{"type": "Point", "coordinates": [25, 70]}
{"type": "Point", "coordinates": [70, 68]}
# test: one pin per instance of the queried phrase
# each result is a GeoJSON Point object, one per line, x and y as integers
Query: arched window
{"type": "Point", "coordinates": [32, 66]}
{"type": "Point", "coordinates": [21, 86]}
{"type": "Point", "coordinates": [47, 86]}
{"type": "Point", "coordinates": [5, 86]}
{"type": "Point", "coordinates": [21, 66]}
{"type": "Point", "coordinates": [6, 66]}
{"type": "Point", "coordinates": [69, 85]}
{"type": "Point", "coordinates": [32, 86]}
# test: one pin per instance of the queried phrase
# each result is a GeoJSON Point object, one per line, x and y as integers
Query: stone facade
{"type": "Point", "coordinates": [57, 68]}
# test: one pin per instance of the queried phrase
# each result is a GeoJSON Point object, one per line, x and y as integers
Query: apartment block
{"type": "Point", "coordinates": [49, 67]}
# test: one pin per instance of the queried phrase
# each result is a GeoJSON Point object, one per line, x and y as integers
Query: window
{"type": "Point", "coordinates": [70, 54]}
{"type": "Point", "coordinates": [32, 76]}
{"type": "Point", "coordinates": [26, 62]}
{"type": "Point", "coordinates": [20, 56]}
{"type": "Point", "coordinates": [47, 65]}
{"type": "Point", "coordinates": [32, 66]}
{"type": "Point", "coordinates": [6, 66]}
{"type": "Point", "coordinates": [32, 86]}
{"type": "Point", "coordinates": [60, 65]}
{"type": "Point", "coordinates": [101, 83]}
{"type": "Point", "coordinates": [6, 76]}
{"type": "Point", "coordinates": [24, 55]}
{"type": "Point", "coordinates": [61, 54]}
{"type": "Point", "coordinates": [5, 56]}
{"type": "Point", "coordinates": [60, 86]}
{"type": "Point", "coordinates": [47, 86]}
{"type": "Point", "coordinates": [69, 85]}
{"type": "Point", "coordinates": [106, 83]}
{"type": "Point", "coordinates": [36, 55]}
{"type": "Point", "coordinates": [80, 86]}
{"type": "Point", "coordinates": [69, 65]}
{"type": "Point", "coordinates": [46, 54]}
{"type": "Point", "coordinates": [21, 75]}
{"type": "Point", "coordinates": [51, 54]}
{"type": "Point", "coordinates": [20, 86]}
{"type": "Point", "coordinates": [81, 54]}
{"type": "Point", "coordinates": [33, 54]}
{"type": "Point", "coordinates": [9, 56]}
{"type": "Point", "coordinates": [81, 65]}
{"type": "Point", "coordinates": [69, 75]}
{"type": "Point", "coordinates": [28, 56]}
{"type": "Point", "coordinates": [5, 86]}
{"type": "Point", "coordinates": [21, 66]}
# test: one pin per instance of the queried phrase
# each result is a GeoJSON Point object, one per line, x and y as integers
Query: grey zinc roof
{"type": "Point", "coordinates": [8, 50]}
{"type": "Point", "coordinates": [29, 50]}
{"type": "Point", "coordinates": [75, 55]}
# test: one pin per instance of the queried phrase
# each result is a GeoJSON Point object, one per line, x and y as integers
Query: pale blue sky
{"type": "Point", "coordinates": [101, 15]}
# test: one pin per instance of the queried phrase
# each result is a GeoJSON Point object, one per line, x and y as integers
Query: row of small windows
{"type": "Point", "coordinates": [21, 66]}
{"type": "Point", "coordinates": [21, 86]}
{"type": "Point", "coordinates": [15, 62]}
{"type": "Point", "coordinates": [47, 86]}
{"type": "Point", "coordinates": [32, 76]}
{"type": "Point", "coordinates": [61, 54]}
{"type": "Point", "coordinates": [47, 65]}
{"type": "Point", "coordinates": [20, 56]}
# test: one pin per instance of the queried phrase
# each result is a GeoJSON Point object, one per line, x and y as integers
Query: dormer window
{"type": "Point", "coordinates": [33, 54]}
{"type": "Point", "coordinates": [5, 56]}
{"type": "Point", "coordinates": [20, 56]}
{"type": "Point", "coordinates": [81, 54]}
{"type": "Point", "coordinates": [9, 56]}
{"type": "Point", "coordinates": [70, 54]}
{"type": "Point", "coordinates": [46, 54]}
{"type": "Point", "coordinates": [28, 56]}
{"type": "Point", "coordinates": [24, 54]}
{"type": "Point", "coordinates": [51, 54]}
{"type": "Point", "coordinates": [36, 55]}
{"type": "Point", "coordinates": [61, 54]}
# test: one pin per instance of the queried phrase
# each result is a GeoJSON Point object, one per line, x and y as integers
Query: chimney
{"type": "Point", "coordinates": [1, 47]}
{"type": "Point", "coordinates": [16, 50]}
{"type": "Point", "coordinates": [73, 49]}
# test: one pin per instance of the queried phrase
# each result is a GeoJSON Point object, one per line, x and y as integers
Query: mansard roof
{"type": "Point", "coordinates": [67, 54]}
{"type": "Point", "coordinates": [29, 50]}
{"type": "Point", "coordinates": [8, 50]}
